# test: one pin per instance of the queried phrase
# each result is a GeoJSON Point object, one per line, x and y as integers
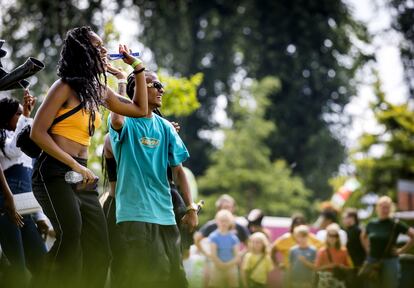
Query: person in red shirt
{"type": "Point", "coordinates": [330, 258]}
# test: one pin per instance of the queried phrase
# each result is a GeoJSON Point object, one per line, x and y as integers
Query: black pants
{"type": "Point", "coordinates": [80, 255]}
{"type": "Point", "coordinates": [153, 258]}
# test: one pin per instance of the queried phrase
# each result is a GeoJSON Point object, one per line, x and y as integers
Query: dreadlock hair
{"type": "Point", "coordinates": [80, 66]}
{"type": "Point", "coordinates": [8, 108]}
{"type": "Point", "coordinates": [131, 82]}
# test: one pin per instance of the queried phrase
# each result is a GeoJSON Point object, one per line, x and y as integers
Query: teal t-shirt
{"type": "Point", "coordinates": [143, 150]}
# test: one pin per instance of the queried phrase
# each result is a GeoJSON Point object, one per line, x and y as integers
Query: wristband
{"type": "Point", "coordinates": [136, 63]}
{"type": "Point", "coordinates": [192, 207]}
{"type": "Point", "coordinates": [122, 81]}
{"type": "Point", "coordinates": [136, 72]}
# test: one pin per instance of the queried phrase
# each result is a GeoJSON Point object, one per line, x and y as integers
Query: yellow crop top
{"type": "Point", "coordinates": [76, 126]}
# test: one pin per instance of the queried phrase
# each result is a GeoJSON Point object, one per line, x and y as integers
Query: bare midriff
{"type": "Point", "coordinates": [71, 147]}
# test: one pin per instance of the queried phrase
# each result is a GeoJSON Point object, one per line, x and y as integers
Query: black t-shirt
{"type": "Point", "coordinates": [241, 232]}
{"type": "Point", "coordinates": [379, 234]}
{"type": "Point", "coordinates": [354, 245]}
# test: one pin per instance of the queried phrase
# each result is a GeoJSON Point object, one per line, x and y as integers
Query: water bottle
{"type": "Point", "coordinates": [73, 177]}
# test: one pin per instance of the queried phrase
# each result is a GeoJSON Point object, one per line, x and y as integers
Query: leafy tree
{"type": "Point", "coordinates": [380, 173]}
{"type": "Point", "coordinates": [403, 22]}
{"type": "Point", "coordinates": [180, 94]}
{"type": "Point", "coordinates": [37, 28]}
{"type": "Point", "coordinates": [242, 167]}
{"type": "Point", "coordinates": [306, 44]}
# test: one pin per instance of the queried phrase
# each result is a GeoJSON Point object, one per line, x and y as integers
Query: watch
{"type": "Point", "coordinates": [192, 206]}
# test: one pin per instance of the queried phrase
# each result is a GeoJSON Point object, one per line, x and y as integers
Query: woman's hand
{"type": "Point", "coordinates": [128, 59]}
{"type": "Point", "coordinates": [28, 103]}
{"type": "Point", "coordinates": [117, 72]}
{"type": "Point", "coordinates": [11, 210]}
{"type": "Point", "coordinates": [87, 174]}
{"type": "Point", "coordinates": [42, 228]}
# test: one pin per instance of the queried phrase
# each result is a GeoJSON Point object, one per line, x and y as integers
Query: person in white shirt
{"type": "Point", "coordinates": [21, 244]}
{"type": "Point", "coordinates": [328, 217]}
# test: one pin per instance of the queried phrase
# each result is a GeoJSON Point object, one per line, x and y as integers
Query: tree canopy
{"type": "Point", "coordinates": [306, 44]}
{"type": "Point", "coordinates": [403, 22]}
{"type": "Point", "coordinates": [379, 172]}
{"type": "Point", "coordinates": [242, 167]}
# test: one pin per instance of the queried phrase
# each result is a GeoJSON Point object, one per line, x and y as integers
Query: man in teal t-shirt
{"type": "Point", "coordinates": [143, 149]}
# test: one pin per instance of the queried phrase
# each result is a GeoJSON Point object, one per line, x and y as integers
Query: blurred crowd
{"type": "Point", "coordinates": [334, 251]}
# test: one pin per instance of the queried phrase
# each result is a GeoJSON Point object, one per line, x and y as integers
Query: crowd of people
{"type": "Point", "coordinates": [133, 239]}
{"type": "Point", "coordinates": [333, 257]}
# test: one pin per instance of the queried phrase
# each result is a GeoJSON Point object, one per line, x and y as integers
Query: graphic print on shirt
{"type": "Point", "coordinates": [149, 142]}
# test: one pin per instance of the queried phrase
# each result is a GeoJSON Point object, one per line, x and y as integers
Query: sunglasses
{"type": "Point", "coordinates": [333, 235]}
{"type": "Point", "coordinates": [157, 85]}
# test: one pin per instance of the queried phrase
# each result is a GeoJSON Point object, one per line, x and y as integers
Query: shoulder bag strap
{"type": "Point", "coordinates": [390, 239]}
{"type": "Point", "coordinates": [329, 255]}
{"type": "Point", "coordinates": [250, 272]}
{"type": "Point", "coordinates": [67, 114]}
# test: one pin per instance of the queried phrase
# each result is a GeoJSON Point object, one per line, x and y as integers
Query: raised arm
{"type": "Point", "coordinates": [117, 120]}
{"type": "Point", "coordinates": [118, 104]}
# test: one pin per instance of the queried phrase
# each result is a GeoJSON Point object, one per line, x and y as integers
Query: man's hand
{"type": "Point", "coordinates": [190, 220]}
{"type": "Point", "coordinates": [177, 126]}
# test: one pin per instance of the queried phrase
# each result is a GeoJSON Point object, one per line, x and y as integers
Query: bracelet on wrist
{"type": "Point", "coordinates": [136, 63]}
{"type": "Point", "coordinates": [122, 81]}
{"type": "Point", "coordinates": [136, 72]}
{"type": "Point", "coordinates": [192, 207]}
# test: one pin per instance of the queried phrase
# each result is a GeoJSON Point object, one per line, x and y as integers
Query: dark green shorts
{"type": "Point", "coordinates": [153, 257]}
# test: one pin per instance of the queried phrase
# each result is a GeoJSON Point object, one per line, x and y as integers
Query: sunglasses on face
{"type": "Point", "coordinates": [157, 85]}
{"type": "Point", "coordinates": [333, 235]}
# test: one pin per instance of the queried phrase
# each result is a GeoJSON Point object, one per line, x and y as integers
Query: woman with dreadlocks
{"type": "Point", "coordinates": [80, 254]}
{"type": "Point", "coordinates": [19, 236]}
